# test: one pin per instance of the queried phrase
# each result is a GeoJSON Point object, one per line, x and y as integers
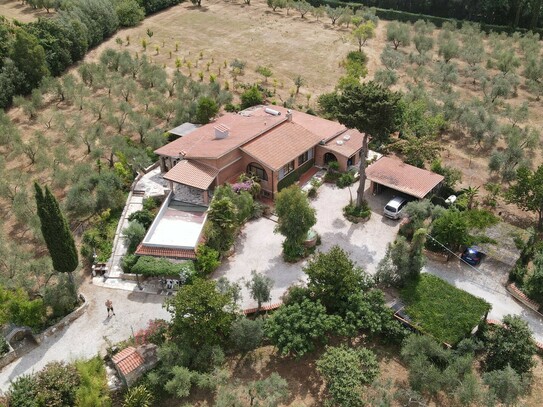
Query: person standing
{"type": "Point", "coordinates": [109, 306]}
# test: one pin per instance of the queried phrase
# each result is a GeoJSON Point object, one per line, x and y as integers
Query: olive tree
{"type": "Point", "coordinates": [399, 34]}
{"type": "Point", "coordinates": [346, 371]}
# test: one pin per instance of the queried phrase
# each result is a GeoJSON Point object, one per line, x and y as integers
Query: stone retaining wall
{"type": "Point", "coordinates": [8, 357]}
{"type": "Point", "coordinates": [520, 296]}
{"type": "Point", "coordinates": [440, 257]}
{"type": "Point", "coordinates": [68, 319]}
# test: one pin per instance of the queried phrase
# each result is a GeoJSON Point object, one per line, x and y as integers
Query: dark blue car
{"type": "Point", "coordinates": [473, 255]}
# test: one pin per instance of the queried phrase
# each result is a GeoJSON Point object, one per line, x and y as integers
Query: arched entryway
{"type": "Point", "coordinates": [257, 170]}
{"type": "Point", "coordinates": [328, 158]}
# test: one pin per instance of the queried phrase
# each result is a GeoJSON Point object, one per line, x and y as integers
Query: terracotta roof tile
{"type": "Point", "coordinates": [242, 128]}
{"type": "Point", "coordinates": [269, 307]}
{"type": "Point", "coordinates": [201, 143]}
{"type": "Point", "coordinates": [350, 143]}
{"type": "Point", "coordinates": [326, 129]}
{"type": "Point", "coordinates": [193, 173]}
{"type": "Point", "coordinates": [128, 360]}
{"type": "Point", "coordinates": [282, 144]}
{"type": "Point", "coordinates": [403, 177]}
{"type": "Point", "coordinates": [165, 252]}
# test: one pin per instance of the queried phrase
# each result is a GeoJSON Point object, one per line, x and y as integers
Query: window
{"type": "Point", "coordinates": [308, 155]}
{"type": "Point", "coordinates": [286, 169]}
{"type": "Point", "coordinates": [303, 158]}
{"type": "Point", "coordinates": [258, 171]}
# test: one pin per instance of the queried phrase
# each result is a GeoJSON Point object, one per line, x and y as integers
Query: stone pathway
{"type": "Point", "coordinates": [90, 333]}
{"type": "Point", "coordinates": [150, 185]}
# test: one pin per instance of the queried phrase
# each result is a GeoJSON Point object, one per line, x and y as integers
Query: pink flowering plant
{"type": "Point", "coordinates": [156, 332]}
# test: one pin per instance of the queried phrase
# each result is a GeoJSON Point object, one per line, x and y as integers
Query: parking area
{"type": "Point", "coordinates": [258, 248]}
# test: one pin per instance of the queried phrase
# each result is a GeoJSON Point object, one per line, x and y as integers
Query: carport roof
{"type": "Point", "coordinates": [403, 177]}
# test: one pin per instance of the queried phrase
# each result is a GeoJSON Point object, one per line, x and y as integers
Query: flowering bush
{"type": "Point", "coordinates": [242, 186]}
{"type": "Point", "coordinates": [154, 333]}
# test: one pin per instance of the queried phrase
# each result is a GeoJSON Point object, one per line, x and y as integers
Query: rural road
{"type": "Point", "coordinates": [84, 338]}
{"type": "Point", "coordinates": [487, 281]}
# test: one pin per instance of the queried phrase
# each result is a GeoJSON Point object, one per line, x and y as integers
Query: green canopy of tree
{"type": "Point", "coordinates": [346, 371]}
{"type": "Point", "coordinates": [527, 192]}
{"type": "Point", "coordinates": [56, 232]}
{"type": "Point", "coordinates": [295, 218]}
{"type": "Point", "coordinates": [130, 13]}
{"type": "Point", "coordinates": [29, 57]}
{"type": "Point", "coordinates": [367, 107]}
{"type": "Point", "coordinates": [200, 314]}
{"type": "Point", "coordinates": [333, 278]}
{"type": "Point", "coordinates": [510, 344]}
{"type": "Point", "coordinates": [296, 329]}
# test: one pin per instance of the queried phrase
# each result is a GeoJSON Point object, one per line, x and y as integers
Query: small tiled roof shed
{"type": "Point", "coordinates": [131, 362]}
{"type": "Point", "coordinates": [402, 177]}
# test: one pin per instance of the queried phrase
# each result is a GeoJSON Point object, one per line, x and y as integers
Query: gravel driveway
{"type": "Point", "coordinates": [258, 248]}
{"type": "Point", "coordinates": [84, 338]}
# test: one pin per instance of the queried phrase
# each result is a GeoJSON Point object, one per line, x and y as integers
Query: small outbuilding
{"type": "Point", "coordinates": [132, 362]}
{"type": "Point", "coordinates": [399, 176]}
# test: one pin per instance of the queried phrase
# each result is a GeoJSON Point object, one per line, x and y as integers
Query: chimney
{"type": "Point", "coordinates": [221, 131]}
{"type": "Point", "coordinates": [289, 115]}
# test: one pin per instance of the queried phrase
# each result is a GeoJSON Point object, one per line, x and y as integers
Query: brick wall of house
{"type": "Point", "coordinates": [246, 160]}
{"type": "Point", "coordinates": [319, 158]}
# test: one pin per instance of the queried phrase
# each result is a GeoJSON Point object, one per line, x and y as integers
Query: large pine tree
{"type": "Point", "coordinates": [56, 233]}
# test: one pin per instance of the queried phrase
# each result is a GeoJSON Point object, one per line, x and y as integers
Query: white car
{"type": "Point", "coordinates": [394, 207]}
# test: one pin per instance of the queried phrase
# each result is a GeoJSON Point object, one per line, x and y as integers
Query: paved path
{"type": "Point", "coordinates": [258, 248]}
{"type": "Point", "coordinates": [85, 337]}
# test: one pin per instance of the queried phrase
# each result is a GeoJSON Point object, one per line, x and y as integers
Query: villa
{"type": "Point", "coordinates": [276, 144]}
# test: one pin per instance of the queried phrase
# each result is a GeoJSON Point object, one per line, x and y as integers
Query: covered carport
{"type": "Point", "coordinates": [393, 173]}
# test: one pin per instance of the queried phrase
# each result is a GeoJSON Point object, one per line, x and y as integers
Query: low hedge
{"type": "Point", "coordinates": [160, 267]}
{"type": "Point", "coordinates": [295, 175]}
{"type": "Point", "coordinates": [404, 16]}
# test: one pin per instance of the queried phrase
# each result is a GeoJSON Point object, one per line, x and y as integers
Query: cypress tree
{"type": "Point", "coordinates": [55, 231]}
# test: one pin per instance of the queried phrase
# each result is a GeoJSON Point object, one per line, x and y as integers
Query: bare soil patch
{"type": "Point", "coordinates": [14, 9]}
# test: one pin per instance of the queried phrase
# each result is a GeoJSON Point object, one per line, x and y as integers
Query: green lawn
{"type": "Point", "coordinates": [440, 309]}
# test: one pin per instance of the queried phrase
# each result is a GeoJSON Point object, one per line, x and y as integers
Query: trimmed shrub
{"type": "Point", "coordinates": [151, 203]}
{"type": "Point", "coordinates": [207, 260]}
{"type": "Point", "coordinates": [144, 217]}
{"type": "Point", "coordinates": [128, 261]}
{"type": "Point", "coordinates": [356, 213]}
{"type": "Point", "coordinates": [156, 267]}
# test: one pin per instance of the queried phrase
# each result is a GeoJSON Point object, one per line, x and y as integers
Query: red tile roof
{"type": "Point", "coordinates": [193, 173]}
{"type": "Point", "coordinates": [350, 142]}
{"type": "Point", "coordinates": [269, 307]}
{"type": "Point", "coordinates": [324, 128]}
{"type": "Point", "coordinates": [403, 177]}
{"type": "Point", "coordinates": [281, 145]}
{"type": "Point", "coordinates": [165, 252]}
{"type": "Point", "coordinates": [128, 360]}
{"type": "Point", "coordinates": [201, 143]}
{"type": "Point", "coordinates": [244, 127]}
